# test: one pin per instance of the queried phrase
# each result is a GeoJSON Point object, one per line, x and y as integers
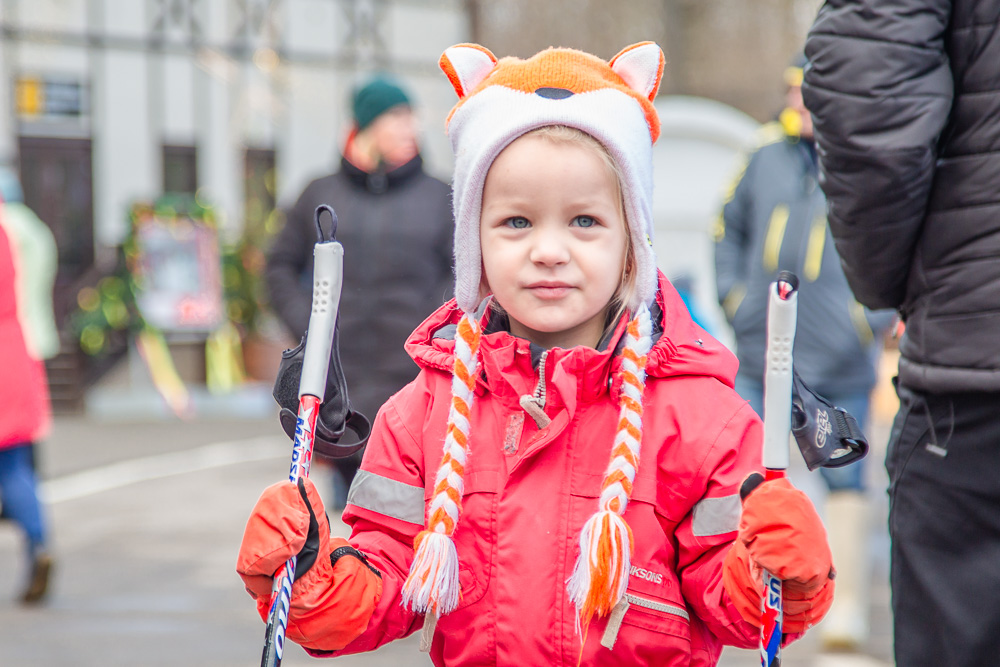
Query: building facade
{"type": "Point", "coordinates": [241, 102]}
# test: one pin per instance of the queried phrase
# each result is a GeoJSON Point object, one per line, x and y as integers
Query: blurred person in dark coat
{"type": "Point", "coordinates": [395, 224]}
{"type": "Point", "coordinates": [905, 96]}
{"type": "Point", "coordinates": [27, 273]}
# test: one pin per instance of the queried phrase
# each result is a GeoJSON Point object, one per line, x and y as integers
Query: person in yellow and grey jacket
{"type": "Point", "coordinates": [774, 219]}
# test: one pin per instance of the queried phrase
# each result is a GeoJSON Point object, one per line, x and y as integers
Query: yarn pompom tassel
{"type": "Point", "coordinates": [600, 577]}
{"type": "Point", "coordinates": [433, 582]}
{"type": "Point", "coordinates": [432, 587]}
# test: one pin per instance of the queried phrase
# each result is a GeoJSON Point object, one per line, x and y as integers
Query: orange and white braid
{"type": "Point", "coordinates": [600, 576]}
{"type": "Point", "coordinates": [432, 585]}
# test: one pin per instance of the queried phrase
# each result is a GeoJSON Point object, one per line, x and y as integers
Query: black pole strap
{"type": "Point", "coordinates": [827, 436]}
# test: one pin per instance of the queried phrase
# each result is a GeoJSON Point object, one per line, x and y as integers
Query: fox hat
{"type": "Point", "coordinates": [501, 100]}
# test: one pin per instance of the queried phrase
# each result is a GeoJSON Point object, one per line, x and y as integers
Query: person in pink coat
{"type": "Point", "coordinates": [561, 483]}
{"type": "Point", "coordinates": [25, 417]}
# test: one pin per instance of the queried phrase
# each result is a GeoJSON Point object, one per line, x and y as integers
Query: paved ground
{"type": "Point", "coordinates": [146, 522]}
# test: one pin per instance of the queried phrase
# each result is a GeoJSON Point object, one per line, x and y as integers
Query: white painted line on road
{"type": "Point", "coordinates": [848, 660]}
{"type": "Point", "coordinates": [117, 475]}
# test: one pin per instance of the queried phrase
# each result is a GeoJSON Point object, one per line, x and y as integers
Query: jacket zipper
{"type": "Point", "coordinates": [657, 606]}
{"type": "Point", "coordinates": [540, 387]}
{"type": "Point", "coordinates": [618, 614]}
{"type": "Point", "coordinates": [535, 405]}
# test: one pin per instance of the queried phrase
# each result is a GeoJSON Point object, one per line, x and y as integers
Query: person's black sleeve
{"type": "Point", "coordinates": [879, 88]}
{"type": "Point", "coordinates": [286, 261]}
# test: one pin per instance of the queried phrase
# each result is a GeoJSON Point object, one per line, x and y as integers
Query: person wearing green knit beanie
{"type": "Point", "coordinates": [395, 222]}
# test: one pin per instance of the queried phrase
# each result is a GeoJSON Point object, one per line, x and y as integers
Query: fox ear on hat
{"type": "Point", "coordinates": [466, 65]}
{"type": "Point", "coordinates": [641, 67]}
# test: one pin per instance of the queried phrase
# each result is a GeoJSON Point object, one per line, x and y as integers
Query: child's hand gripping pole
{"type": "Point", "coordinates": [328, 274]}
{"type": "Point", "coordinates": [781, 313]}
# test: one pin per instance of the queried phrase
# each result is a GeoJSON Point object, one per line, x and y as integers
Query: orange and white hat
{"type": "Point", "coordinates": [498, 102]}
{"type": "Point", "coordinates": [501, 100]}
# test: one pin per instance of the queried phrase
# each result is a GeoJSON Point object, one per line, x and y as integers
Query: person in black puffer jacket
{"type": "Point", "coordinates": [905, 97]}
{"type": "Point", "coordinates": [395, 224]}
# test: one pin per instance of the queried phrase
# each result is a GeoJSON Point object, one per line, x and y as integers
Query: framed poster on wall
{"type": "Point", "coordinates": [177, 271]}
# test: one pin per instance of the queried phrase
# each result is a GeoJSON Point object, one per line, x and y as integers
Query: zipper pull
{"type": "Point", "coordinates": [614, 623]}
{"type": "Point", "coordinates": [535, 405]}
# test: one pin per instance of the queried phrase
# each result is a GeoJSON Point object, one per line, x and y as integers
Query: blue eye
{"type": "Point", "coordinates": [517, 223]}
{"type": "Point", "coordinates": [584, 221]}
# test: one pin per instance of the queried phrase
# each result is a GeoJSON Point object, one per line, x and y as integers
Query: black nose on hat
{"type": "Point", "coordinates": [553, 93]}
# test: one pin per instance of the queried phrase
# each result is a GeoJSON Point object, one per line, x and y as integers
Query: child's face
{"type": "Point", "coordinates": [553, 240]}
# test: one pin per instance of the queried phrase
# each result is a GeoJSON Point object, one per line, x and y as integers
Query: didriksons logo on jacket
{"type": "Point", "coordinates": [654, 577]}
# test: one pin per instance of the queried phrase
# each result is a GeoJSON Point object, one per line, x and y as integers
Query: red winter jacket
{"type": "Point", "coordinates": [529, 491]}
{"type": "Point", "coordinates": [24, 396]}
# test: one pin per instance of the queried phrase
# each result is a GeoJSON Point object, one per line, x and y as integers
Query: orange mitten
{"type": "Point", "coordinates": [781, 532]}
{"type": "Point", "coordinates": [335, 590]}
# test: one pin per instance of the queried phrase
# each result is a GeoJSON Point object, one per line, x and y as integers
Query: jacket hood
{"type": "Point", "coordinates": [680, 346]}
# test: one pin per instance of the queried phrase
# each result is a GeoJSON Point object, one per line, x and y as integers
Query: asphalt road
{"type": "Point", "coordinates": [146, 521]}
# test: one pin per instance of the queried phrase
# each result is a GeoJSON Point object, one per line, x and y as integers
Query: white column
{"type": "Point", "coordinates": [125, 157]}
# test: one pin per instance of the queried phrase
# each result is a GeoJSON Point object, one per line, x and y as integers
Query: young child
{"type": "Point", "coordinates": [543, 535]}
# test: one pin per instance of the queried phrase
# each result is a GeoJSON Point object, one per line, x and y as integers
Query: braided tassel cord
{"type": "Point", "coordinates": [600, 576]}
{"type": "Point", "coordinates": [432, 586]}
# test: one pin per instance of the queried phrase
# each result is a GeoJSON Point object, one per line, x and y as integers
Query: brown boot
{"type": "Point", "coordinates": [38, 580]}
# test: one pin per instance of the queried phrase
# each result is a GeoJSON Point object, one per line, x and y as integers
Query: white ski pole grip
{"type": "Point", "coordinates": [328, 280]}
{"type": "Point", "coordinates": [781, 313]}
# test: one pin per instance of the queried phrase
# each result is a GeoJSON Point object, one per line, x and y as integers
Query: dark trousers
{"type": "Point", "coordinates": [944, 521]}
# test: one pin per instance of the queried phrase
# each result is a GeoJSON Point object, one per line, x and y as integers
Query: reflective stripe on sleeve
{"type": "Point", "coordinates": [388, 497]}
{"type": "Point", "coordinates": [716, 516]}
{"type": "Point", "coordinates": [774, 237]}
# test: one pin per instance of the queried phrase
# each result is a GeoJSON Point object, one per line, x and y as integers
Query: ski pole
{"type": "Point", "coordinates": [781, 313]}
{"type": "Point", "coordinates": [328, 274]}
